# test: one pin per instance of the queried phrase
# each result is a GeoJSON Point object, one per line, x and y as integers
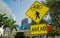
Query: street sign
{"type": "Point", "coordinates": [38, 29]}
{"type": "Point", "coordinates": [37, 11]}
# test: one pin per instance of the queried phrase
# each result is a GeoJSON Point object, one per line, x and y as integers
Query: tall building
{"type": "Point", "coordinates": [24, 21]}
{"type": "Point", "coordinates": [25, 25]}
{"type": "Point", "coordinates": [6, 10]}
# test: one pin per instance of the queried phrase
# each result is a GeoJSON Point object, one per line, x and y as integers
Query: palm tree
{"type": "Point", "coordinates": [3, 22]}
{"type": "Point", "coordinates": [6, 22]}
{"type": "Point", "coordinates": [12, 25]}
{"type": "Point", "coordinates": [1, 19]}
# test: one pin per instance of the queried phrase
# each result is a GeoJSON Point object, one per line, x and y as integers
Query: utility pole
{"type": "Point", "coordinates": [39, 36]}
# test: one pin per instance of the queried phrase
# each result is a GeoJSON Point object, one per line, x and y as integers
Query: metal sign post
{"type": "Point", "coordinates": [30, 36]}
{"type": "Point", "coordinates": [39, 36]}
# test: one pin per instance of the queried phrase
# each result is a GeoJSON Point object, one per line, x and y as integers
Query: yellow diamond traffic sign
{"type": "Point", "coordinates": [38, 29]}
{"type": "Point", "coordinates": [37, 11]}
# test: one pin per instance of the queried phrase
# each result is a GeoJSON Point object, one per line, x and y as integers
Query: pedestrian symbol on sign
{"type": "Point", "coordinates": [37, 15]}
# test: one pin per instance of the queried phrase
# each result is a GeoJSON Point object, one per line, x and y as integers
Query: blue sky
{"type": "Point", "coordinates": [19, 8]}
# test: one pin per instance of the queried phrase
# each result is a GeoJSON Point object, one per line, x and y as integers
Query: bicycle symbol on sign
{"type": "Point", "coordinates": [36, 7]}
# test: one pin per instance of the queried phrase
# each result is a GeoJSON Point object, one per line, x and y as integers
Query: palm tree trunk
{"type": "Point", "coordinates": [10, 33]}
{"type": "Point", "coordinates": [4, 33]}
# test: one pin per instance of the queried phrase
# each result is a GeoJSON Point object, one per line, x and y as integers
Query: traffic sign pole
{"type": "Point", "coordinates": [30, 36]}
{"type": "Point", "coordinates": [39, 36]}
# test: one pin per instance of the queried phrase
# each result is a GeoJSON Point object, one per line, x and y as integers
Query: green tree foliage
{"type": "Point", "coordinates": [12, 25]}
{"type": "Point", "coordinates": [3, 21]}
{"type": "Point", "coordinates": [55, 15]}
{"type": "Point", "coordinates": [19, 35]}
{"type": "Point", "coordinates": [2, 16]}
{"type": "Point", "coordinates": [7, 22]}
{"type": "Point", "coordinates": [54, 12]}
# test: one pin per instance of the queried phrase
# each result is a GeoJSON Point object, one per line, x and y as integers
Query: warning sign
{"type": "Point", "coordinates": [38, 29]}
{"type": "Point", "coordinates": [37, 11]}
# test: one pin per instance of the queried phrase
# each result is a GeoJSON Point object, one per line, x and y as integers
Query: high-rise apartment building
{"type": "Point", "coordinates": [24, 21]}
{"type": "Point", "coordinates": [6, 10]}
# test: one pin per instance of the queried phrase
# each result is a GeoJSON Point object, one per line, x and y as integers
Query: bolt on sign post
{"type": "Point", "coordinates": [37, 11]}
